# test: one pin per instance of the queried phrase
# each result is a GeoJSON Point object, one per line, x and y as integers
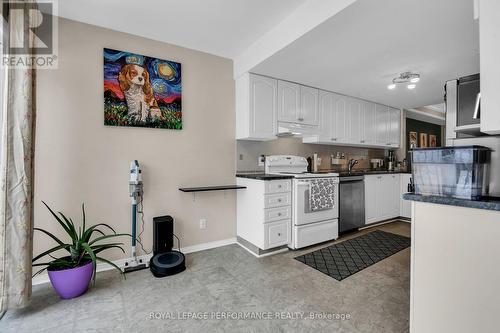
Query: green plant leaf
{"type": "Point", "coordinates": [88, 233]}
{"type": "Point", "coordinates": [83, 218]}
{"type": "Point", "coordinates": [93, 256]}
{"type": "Point", "coordinates": [50, 235]}
{"type": "Point", "coordinates": [96, 251]}
{"type": "Point", "coordinates": [107, 237]}
{"type": "Point", "coordinates": [71, 226]}
{"type": "Point", "coordinates": [58, 247]}
{"type": "Point", "coordinates": [112, 264]}
{"type": "Point", "coordinates": [65, 227]}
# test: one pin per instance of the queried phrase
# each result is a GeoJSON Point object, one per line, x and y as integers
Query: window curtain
{"type": "Point", "coordinates": [17, 120]}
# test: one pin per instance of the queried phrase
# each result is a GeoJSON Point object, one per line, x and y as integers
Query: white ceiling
{"type": "Point", "coordinates": [358, 51]}
{"type": "Point", "coordinates": [220, 27]}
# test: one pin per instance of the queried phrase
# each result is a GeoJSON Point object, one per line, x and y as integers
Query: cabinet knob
{"type": "Point", "coordinates": [300, 119]}
{"type": "Point", "coordinates": [279, 233]}
{"type": "Point", "coordinates": [279, 200]}
{"type": "Point", "coordinates": [279, 186]}
{"type": "Point", "coordinates": [279, 214]}
{"type": "Point", "coordinates": [334, 139]}
{"type": "Point", "coordinates": [362, 141]}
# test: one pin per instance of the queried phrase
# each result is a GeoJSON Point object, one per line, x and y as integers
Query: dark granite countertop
{"type": "Point", "coordinates": [369, 172]}
{"type": "Point", "coordinates": [488, 203]}
{"type": "Point", "coordinates": [262, 176]}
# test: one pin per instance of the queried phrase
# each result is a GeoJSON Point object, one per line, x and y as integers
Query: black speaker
{"type": "Point", "coordinates": [163, 234]}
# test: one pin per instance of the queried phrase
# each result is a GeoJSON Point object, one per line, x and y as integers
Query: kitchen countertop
{"type": "Point", "coordinates": [262, 176]}
{"type": "Point", "coordinates": [488, 203]}
{"type": "Point", "coordinates": [368, 172]}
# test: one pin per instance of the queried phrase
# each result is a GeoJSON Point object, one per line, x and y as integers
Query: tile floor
{"type": "Point", "coordinates": [229, 280]}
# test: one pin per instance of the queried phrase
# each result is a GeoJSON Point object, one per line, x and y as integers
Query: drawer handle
{"type": "Point", "coordinates": [362, 141]}
{"type": "Point", "coordinates": [334, 139]}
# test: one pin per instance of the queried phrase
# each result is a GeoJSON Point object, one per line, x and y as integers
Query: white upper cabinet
{"type": "Point", "coordinates": [339, 123]}
{"type": "Point", "coordinates": [394, 135]}
{"type": "Point", "coordinates": [288, 102]}
{"type": "Point", "coordinates": [325, 106]}
{"type": "Point", "coordinates": [489, 54]}
{"type": "Point", "coordinates": [256, 107]}
{"type": "Point", "coordinates": [382, 124]}
{"type": "Point", "coordinates": [328, 118]}
{"type": "Point", "coordinates": [309, 111]}
{"type": "Point", "coordinates": [355, 121]}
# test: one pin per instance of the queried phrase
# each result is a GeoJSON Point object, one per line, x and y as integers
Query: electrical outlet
{"type": "Point", "coordinates": [203, 223]}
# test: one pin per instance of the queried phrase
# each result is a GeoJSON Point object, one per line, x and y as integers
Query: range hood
{"type": "Point", "coordinates": [293, 129]}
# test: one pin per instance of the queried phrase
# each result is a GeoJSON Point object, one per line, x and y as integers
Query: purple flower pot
{"type": "Point", "coordinates": [73, 282]}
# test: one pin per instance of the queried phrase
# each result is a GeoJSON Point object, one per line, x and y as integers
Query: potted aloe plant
{"type": "Point", "coordinates": [70, 275]}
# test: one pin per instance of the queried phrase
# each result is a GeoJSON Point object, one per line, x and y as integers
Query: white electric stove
{"type": "Point", "coordinates": [308, 227]}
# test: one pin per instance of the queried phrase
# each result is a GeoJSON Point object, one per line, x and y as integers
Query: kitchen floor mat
{"type": "Point", "coordinates": [343, 259]}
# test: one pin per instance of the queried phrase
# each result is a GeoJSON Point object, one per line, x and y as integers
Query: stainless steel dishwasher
{"type": "Point", "coordinates": [351, 203]}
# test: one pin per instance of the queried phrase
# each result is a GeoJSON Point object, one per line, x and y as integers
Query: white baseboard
{"type": "Point", "coordinates": [265, 254]}
{"type": "Point", "coordinates": [101, 267]}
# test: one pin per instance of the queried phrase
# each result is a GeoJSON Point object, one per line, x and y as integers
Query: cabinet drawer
{"type": "Point", "coordinates": [277, 186]}
{"type": "Point", "coordinates": [276, 214]}
{"type": "Point", "coordinates": [277, 200]}
{"type": "Point", "coordinates": [277, 234]}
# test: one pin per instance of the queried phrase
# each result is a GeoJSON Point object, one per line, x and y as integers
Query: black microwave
{"type": "Point", "coordinates": [468, 100]}
{"type": "Point", "coordinates": [463, 106]}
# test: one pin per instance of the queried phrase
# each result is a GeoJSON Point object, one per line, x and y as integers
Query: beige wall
{"type": "Point", "coordinates": [78, 159]}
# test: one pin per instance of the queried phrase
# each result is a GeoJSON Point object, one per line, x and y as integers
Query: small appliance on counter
{"type": "Point", "coordinates": [458, 172]}
{"type": "Point", "coordinates": [376, 163]}
{"type": "Point", "coordinates": [391, 161]}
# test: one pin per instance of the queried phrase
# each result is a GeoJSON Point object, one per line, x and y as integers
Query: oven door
{"type": "Point", "coordinates": [302, 213]}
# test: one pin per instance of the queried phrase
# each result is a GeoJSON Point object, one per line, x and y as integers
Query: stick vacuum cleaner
{"type": "Point", "coordinates": [136, 191]}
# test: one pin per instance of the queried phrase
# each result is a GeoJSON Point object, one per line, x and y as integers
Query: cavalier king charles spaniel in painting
{"type": "Point", "coordinates": [135, 84]}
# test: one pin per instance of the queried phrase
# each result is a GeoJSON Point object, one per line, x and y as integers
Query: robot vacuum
{"type": "Point", "coordinates": [165, 261]}
{"type": "Point", "coordinates": [166, 264]}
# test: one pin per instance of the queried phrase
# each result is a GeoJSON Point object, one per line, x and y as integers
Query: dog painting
{"type": "Point", "coordinates": [141, 91]}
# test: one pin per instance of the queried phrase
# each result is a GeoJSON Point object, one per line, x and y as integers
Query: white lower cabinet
{"type": "Point", "coordinates": [382, 197]}
{"type": "Point", "coordinates": [264, 212]}
{"type": "Point", "coordinates": [405, 207]}
{"type": "Point", "coordinates": [277, 233]}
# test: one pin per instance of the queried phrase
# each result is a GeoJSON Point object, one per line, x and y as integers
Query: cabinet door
{"type": "Point", "coordinates": [339, 119]}
{"type": "Point", "coordinates": [355, 125]}
{"type": "Point", "coordinates": [263, 106]}
{"type": "Point", "coordinates": [395, 197]}
{"type": "Point", "coordinates": [405, 205]}
{"type": "Point", "coordinates": [395, 127]}
{"type": "Point", "coordinates": [288, 101]}
{"type": "Point", "coordinates": [371, 198]}
{"type": "Point", "coordinates": [308, 112]}
{"type": "Point", "coordinates": [384, 194]}
{"type": "Point", "coordinates": [368, 118]}
{"type": "Point", "coordinates": [325, 116]}
{"type": "Point", "coordinates": [382, 122]}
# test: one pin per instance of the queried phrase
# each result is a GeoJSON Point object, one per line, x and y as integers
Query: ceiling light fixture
{"type": "Point", "coordinates": [406, 77]}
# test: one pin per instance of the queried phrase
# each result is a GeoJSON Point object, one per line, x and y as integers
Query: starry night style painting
{"type": "Point", "coordinates": [141, 91]}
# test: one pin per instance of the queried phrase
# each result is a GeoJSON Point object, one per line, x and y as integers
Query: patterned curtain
{"type": "Point", "coordinates": [17, 120]}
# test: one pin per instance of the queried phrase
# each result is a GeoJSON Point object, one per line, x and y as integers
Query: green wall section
{"type": "Point", "coordinates": [413, 125]}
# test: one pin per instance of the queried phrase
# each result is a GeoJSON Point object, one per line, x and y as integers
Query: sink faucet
{"type": "Point", "coordinates": [351, 164]}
